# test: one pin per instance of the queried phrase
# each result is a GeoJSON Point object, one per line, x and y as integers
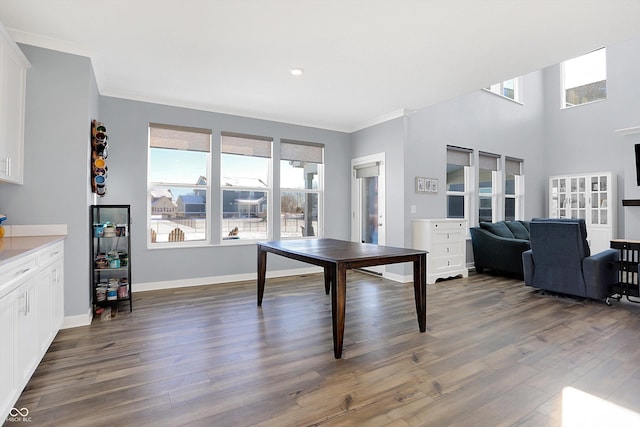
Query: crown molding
{"type": "Point", "coordinates": [39, 40]}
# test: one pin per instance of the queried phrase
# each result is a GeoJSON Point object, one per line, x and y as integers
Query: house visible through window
{"type": "Point", "coordinates": [245, 171]}
{"type": "Point", "coordinates": [301, 166]}
{"type": "Point", "coordinates": [458, 161]}
{"type": "Point", "coordinates": [585, 78]}
{"type": "Point", "coordinates": [179, 159]}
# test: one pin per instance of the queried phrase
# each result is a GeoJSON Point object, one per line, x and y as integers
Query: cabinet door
{"type": "Point", "coordinates": [57, 294]}
{"type": "Point", "coordinates": [26, 352]}
{"type": "Point", "coordinates": [43, 296]}
{"type": "Point", "coordinates": [7, 338]}
{"type": "Point", "coordinates": [12, 102]}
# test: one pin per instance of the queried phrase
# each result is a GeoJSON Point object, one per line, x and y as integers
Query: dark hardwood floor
{"type": "Point", "coordinates": [495, 354]}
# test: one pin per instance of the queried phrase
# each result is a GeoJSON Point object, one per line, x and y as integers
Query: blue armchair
{"type": "Point", "coordinates": [560, 261]}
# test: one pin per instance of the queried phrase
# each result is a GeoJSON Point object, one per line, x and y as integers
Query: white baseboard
{"type": "Point", "coordinates": [78, 320]}
{"type": "Point", "coordinates": [213, 280]}
{"type": "Point", "coordinates": [402, 278]}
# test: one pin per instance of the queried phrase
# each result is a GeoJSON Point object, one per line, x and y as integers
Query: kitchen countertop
{"type": "Point", "coordinates": [14, 248]}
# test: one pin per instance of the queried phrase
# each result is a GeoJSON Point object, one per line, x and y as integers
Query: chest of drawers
{"type": "Point", "coordinates": [445, 242]}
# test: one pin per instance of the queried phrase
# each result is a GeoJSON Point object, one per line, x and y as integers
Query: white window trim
{"type": "Point", "coordinates": [563, 100]}
{"type": "Point", "coordinates": [466, 194]}
{"type": "Point", "coordinates": [208, 209]}
{"type": "Point", "coordinates": [245, 241]}
{"type": "Point", "coordinates": [497, 89]}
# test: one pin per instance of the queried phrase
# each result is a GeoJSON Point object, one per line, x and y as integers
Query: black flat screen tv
{"type": "Point", "coordinates": [637, 147]}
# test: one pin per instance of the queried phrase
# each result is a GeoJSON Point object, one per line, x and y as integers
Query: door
{"type": "Point", "coordinates": [368, 209]}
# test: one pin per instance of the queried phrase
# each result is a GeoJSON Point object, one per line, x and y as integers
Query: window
{"type": "Point", "coordinates": [513, 190]}
{"type": "Point", "coordinates": [458, 166]}
{"type": "Point", "coordinates": [584, 79]}
{"type": "Point", "coordinates": [508, 89]}
{"type": "Point", "coordinates": [178, 184]}
{"type": "Point", "coordinates": [245, 167]}
{"type": "Point", "coordinates": [301, 166]}
{"type": "Point", "coordinates": [487, 191]}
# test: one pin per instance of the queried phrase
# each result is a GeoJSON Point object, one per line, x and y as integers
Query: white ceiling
{"type": "Point", "coordinates": [364, 60]}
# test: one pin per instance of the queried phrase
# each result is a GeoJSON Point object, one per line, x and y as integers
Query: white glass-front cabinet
{"type": "Point", "coordinates": [590, 196]}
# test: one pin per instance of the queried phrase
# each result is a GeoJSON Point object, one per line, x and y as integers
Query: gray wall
{"type": "Point", "coordinates": [61, 100]}
{"type": "Point", "coordinates": [388, 138]}
{"type": "Point", "coordinates": [583, 138]}
{"type": "Point", "coordinates": [415, 145]}
{"type": "Point", "coordinates": [127, 124]}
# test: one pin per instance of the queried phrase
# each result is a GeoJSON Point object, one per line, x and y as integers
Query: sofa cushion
{"type": "Point", "coordinates": [518, 229]}
{"type": "Point", "coordinates": [498, 228]}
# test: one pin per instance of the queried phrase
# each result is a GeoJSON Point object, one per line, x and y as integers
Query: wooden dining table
{"type": "Point", "coordinates": [338, 256]}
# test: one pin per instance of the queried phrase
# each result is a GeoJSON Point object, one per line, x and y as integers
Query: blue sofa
{"type": "Point", "coordinates": [560, 260]}
{"type": "Point", "coordinates": [498, 246]}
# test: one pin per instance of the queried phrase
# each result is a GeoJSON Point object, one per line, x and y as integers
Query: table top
{"type": "Point", "coordinates": [333, 250]}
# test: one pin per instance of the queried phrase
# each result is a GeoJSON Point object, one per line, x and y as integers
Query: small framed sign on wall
{"type": "Point", "coordinates": [426, 185]}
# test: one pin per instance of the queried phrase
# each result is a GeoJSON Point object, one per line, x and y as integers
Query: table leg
{"type": "Point", "coordinates": [338, 302]}
{"type": "Point", "coordinates": [420, 290]}
{"type": "Point", "coordinates": [262, 272]}
{"type": "Point", "coordinates": [329, 272]}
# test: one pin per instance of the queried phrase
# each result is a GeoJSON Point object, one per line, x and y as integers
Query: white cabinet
{"type": "Point", "coordinates": [25, 310]}
{"type": "Point", "coordinates": [13, 80]}
{"type": "Point", "coordinates": [31, 311]}
{"type": "Point", "coordinates": [17, 281]}
{"type": "Point", "coordinates": [7, 331]}
{"type": "Point", "coordinates": [50, 294]}
{"type": "Point", "coordinates": [589, 196]}
{"type": "Point", "coordinates": [445, 242]}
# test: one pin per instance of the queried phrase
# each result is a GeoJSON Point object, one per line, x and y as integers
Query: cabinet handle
{"type": "Point", "coordinates": [23, 305]}
{"type": "Point", "coordinates": [24, 270]}
{"type": "Point", "coordinates": [7, 166]}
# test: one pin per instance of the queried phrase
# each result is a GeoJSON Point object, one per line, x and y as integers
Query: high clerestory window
{"type": "Point", "coordinates": [511, 89]}
{"type": "Point", "coordinates": [584, 79]}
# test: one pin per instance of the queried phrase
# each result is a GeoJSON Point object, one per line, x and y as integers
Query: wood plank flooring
{"type": "Point", "coordinates": [495, 354]}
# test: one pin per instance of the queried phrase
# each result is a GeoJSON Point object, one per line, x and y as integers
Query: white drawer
{"type": "Point", "coordinates": [448, 225]}
{"type": "Point", "coordinates": [444, 236]}
{"type": "Point", "coordinates": [12, 274]}
{"type": "Point", "coordinates": [50, 253]}
{"type": "Point", "coordinates": [447, 249]}
{"type": "Point", "coordinates": [440, 264]}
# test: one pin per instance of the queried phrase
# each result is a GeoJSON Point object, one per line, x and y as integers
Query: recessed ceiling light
{"type": "Point", "coordinates": [296, 71]}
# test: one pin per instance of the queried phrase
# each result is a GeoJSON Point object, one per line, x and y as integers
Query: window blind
{"type": "Point", "coordinates": [367, 170]}
{"type": "Point", "coordinates": [301, 151]}
{"type": "Point", "coordinates": [179, 137]}
{"type": "Point", "coordinates": [488, 161]}
{"type": "Point", "coordinates": [458, 156]}
{"type": "Point", "coordinates": [246, 145]}
{"type": "Point", "coordinates": [512, 166]}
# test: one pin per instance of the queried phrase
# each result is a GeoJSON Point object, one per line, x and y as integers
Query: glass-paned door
{"type": "Point", "coordinates": [369, 209]}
